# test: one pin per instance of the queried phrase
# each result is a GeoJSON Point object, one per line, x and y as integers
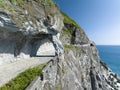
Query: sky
{"type": "Point", "coordinates": [100, 19]}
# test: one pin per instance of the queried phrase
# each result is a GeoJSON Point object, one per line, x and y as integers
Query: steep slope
{"type": "Point", "coordinates": [79, 68]}
{"type": "Point", "coordinates": [32, 28]}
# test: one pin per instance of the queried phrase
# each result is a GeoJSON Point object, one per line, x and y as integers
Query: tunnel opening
{"type": "Point", "coordinates": [42, 46]}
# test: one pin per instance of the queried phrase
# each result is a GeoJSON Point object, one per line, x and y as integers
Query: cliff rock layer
{"type": "Point", "coordinates": [32, 28]}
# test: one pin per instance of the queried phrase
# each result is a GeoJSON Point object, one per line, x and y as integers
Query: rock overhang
{"type": "Point", "coordinates": [31, 37]}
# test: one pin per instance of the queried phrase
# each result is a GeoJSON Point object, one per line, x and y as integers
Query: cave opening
{"type": "Point", "coordinates": [42, 46]}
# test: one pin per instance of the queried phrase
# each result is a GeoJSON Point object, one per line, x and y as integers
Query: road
{"type": "Point", "coordinates": [11, 70]}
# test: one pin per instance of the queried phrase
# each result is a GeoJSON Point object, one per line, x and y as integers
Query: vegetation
{"type": "Point", "coordinates": [21, 2]}
{"type": "Point", "coordinates": [67, 19]}
{"type": "Point", "coordinates": [67, 31]}
{"type": "Point", "coordinates": [70, 26]}
{"type": "Point", "coordinates": [23, 79]}
{"type": "Point", "coordinates": [17, 2]}
{"type": "Point", "coordinates": [58, 87]}
{"type": "Point", "coordinates": [68, 47]}
{"type": "Point", "coordinates": [2, 3]}
{"type": "Point", "coordinates": [49, 2]}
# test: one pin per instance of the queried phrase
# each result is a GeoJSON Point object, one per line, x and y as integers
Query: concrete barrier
{"type": "Point", "coordinates": [35, 84]}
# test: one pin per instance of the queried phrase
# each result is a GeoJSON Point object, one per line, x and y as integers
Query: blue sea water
{"type": "Point", "coordinates": [111, 56]}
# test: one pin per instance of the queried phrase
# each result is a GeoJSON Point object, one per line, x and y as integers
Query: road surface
{"type": "Point", "coordinates": [11, 70]}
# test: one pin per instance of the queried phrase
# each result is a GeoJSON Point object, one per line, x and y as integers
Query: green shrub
{"type": "Point", "coordinates": [23, 79]}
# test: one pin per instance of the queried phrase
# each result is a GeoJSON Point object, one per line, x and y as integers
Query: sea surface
{"type": "Point", "coordinates": [111, 56]}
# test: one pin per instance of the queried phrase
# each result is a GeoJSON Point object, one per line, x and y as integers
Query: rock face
{"type": "Point", "coordinates": [31, 28]}
{"type": "Point", "coordinates": [79, 68]}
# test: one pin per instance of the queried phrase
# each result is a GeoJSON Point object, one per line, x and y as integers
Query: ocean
{"type": "Point", "coordinates": [111, 56]}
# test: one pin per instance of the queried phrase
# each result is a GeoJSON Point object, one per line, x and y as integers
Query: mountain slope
{"type": "Point", "coordinates": [35, 28]}
{"type": "Point", "coordinates": [79, 68]}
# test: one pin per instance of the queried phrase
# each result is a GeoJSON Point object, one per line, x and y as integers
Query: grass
{"type": "Point", "coordinates": [2, 3]}
{"type": "Point", "coordinates": [49, 2]}
{"type": "Point", "coordinates": [67, 19]}
{"type": "Point", "coordinates": [68, 47]}
{"type": "Point", "coordinates": [23, 79]}
{"type": "Point", "coordinates": [67, 31]}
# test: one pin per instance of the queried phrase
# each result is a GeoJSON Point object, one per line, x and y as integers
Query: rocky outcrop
{"type": "Point", "coordinates": [33, 28]}
{"type": "Point", "coordinates": [79, 69]}
{"type": "Point", "coordinates": [72, 33]}
{"type": "Point", "coordinates": [29, 28]}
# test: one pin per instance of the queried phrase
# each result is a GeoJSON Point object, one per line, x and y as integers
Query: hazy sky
{"type": "Point", "coordinates": [100, 19]}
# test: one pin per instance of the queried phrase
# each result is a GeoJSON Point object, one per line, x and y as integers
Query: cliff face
{"type": "Point", "coordinates": [32, 28]}
{"type": "Point", "coordinates": [79, 68]}
{"type": "Point", "coordinates": [29, 28]}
